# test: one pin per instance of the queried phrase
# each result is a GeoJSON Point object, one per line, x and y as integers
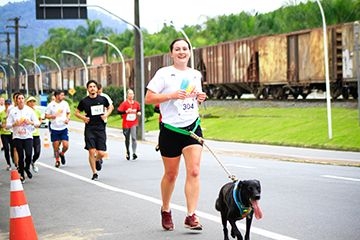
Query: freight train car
{"type": "Point", "coordinates": [282, 65]}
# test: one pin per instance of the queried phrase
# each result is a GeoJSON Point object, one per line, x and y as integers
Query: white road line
{"type": "Point", "coordinates": [342, 178]}
{"type": "Point", "coordinates": [255, 230]}
{"type": "Point", "coordinates": [240, 166]}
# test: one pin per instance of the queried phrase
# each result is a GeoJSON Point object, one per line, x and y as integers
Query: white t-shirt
{"type": "Point", "coordinates": [107, 97]}
{"type": "Point", "coordinates": [178, 113]}
{"type": "Point", "coordinates": [109, 100]}
{"type": "Point", "coordinates": [23, 131]}
{"type": "Point", "coordinates": [61, 110]}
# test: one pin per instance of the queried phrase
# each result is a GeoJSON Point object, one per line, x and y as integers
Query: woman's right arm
{"type": "Point", "coordinates": [156, 98]}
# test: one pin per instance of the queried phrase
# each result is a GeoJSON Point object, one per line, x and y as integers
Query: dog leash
{"type": "Point", "coordinates": [201, 141]}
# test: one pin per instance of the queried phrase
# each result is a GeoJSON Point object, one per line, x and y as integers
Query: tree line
{"type": "Point", "coordinates": [290, 17]}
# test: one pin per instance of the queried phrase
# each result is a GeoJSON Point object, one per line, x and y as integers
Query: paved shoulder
{"type": "Point", "coordinates": [320, 156]}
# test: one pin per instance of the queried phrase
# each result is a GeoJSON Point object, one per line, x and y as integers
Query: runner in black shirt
{"type": "Point", "coordinates": [96, 110]}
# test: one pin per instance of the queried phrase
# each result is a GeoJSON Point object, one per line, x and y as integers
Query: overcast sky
{"type": "Point", "coordinates": [153, 13]}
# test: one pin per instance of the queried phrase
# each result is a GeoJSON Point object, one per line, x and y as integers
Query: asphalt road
{"type": "Point", "coordinates": [299, 200]}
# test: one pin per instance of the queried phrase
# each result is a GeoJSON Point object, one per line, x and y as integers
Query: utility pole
{"type": "Point", "coordinates": [139, 78]}
{"type": "Point", "coordinates": [16, 60]}
{"type": "Point", "coordinates": [357, 59]}
{"type": "Point", "coordinates": [8, 84]}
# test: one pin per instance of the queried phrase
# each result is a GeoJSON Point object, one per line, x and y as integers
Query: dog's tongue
{"type": "Point", "coordinates": [257, 209]}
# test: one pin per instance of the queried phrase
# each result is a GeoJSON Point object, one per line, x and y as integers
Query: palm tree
{"type": "Point", "coordinates": [86, 34]}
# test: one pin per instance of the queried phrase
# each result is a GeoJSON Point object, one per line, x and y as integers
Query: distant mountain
{"type": "Point", "coordinates": [36, 31]}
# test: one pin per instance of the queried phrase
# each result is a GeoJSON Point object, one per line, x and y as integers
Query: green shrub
{"type": "Point", "coordinates": [79, 94]}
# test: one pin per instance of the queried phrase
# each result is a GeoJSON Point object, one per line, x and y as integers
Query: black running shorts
{"type": "Point", "coordinates": [95, 138]}
{"type": "Point", "coordinates": [171, 143]}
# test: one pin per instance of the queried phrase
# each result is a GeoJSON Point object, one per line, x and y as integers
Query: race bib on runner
{"type": "Point", "coordinates": [186, 106]}
{"type": "Point", "coordinates": [131, 116]}
{"type": "Point", "coordinates": [21, 131]}
{"type": "Point", "coordinates": [97, 110]}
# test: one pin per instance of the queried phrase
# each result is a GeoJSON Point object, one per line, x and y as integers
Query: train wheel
{"type": "Point", "coordinates": [257, 93]}
{"type": "Point", "coordinates": [265, 93]}
{"type": "Point", "coordinates": [218, 93]}
{"type": "Point", "coordinates": [345, 93]}
{"type": "Point", "coordinates": [335, 93]}
{"type": "Point", "coordinates": [354, 93]}
{"type": "Point", "coordinates": [277, 93]}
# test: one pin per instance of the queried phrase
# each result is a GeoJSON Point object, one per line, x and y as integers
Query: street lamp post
{"type": "Point", "coordinates": [141, 134]}
{"type": "Point", "coordinates": [59, 82]}
{"type": "Point", "coordinates": [11, 67]}
{"type": "Point", "coordinates": [82, 61]}
{"type": "Point", "coordinates": [326, 57]}
{"type": "Point", "coordinates": [41, 82]}
{"type": "Point", "coordinates": [122, 61]}
{"type": "Point", "coordinates": [13, 71]}
{"type": "Point", "coordinates": [4, 70]}
{"type": "Point", "coordinates": [187, 39]}
{"type": "Point", "coordinates": [26, 79]}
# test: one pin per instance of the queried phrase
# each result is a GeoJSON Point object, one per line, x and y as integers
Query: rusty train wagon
{"type": "Point", "coordinates": [293, 64]}
{"type": "Point", "coordinates": [229, 69]}
{"type": "Point", "coordinates": [281, 65]}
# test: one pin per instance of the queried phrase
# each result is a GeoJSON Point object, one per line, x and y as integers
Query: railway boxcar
{"type": "Point", "coordinates": [229, 69]}
{"type": "Point", "coordinates": [282, 65]}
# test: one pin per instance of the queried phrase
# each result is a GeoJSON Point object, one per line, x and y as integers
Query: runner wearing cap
{"type": "Point", "coordinates": [31, 102]}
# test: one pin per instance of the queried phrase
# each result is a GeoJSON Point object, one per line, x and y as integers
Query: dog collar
{"type": "Point", "coordinates": [244, 211]}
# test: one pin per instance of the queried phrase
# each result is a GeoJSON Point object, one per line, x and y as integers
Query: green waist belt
{"type": "Point", "coordinates": [183, 131]}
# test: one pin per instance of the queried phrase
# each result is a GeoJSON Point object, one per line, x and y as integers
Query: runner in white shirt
{"type": "Point", "coordinates": [177, 89]}
{"type": "Point", "coordinates": [58, 112]}
{"type": "Point", "coordinates": [101, 93]}
{"type": "Point", "coordinates": [22, 120]}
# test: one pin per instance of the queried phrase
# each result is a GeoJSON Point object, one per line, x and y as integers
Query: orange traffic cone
{"type": "Point", "coordinates": [21, 223]}
{"type": "Point", "coordinates": [46, 140]}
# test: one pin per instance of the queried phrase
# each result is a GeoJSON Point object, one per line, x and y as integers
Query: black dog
{"type": "Point", "coordinates": [237, 200]}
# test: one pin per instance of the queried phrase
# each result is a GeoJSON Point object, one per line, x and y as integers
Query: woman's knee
{"type": "Point", "coordinates": [171, 176]}
{"type": "Point", "coordinates": [194, 172]}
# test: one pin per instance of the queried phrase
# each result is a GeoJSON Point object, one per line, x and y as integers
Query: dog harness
{"type": "Point", "coordinates": [244, 211]}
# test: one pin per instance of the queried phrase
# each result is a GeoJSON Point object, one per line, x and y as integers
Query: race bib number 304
{"type": "Point", "coordinates": [97, 110]}
{"type": "Point", "coordinates": [186, 106]}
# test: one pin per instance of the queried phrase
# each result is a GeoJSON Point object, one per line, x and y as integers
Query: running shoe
{"type": "Point", "coordinates": [34, 168]}
{"type": "Point", "coordinates": [192, 222]}
{"type": "Point", "coordinates": [95, 177]}
{"type": "Point", "coordinates": [127, 156]}
{"type": "Point", "coordinates": [166, 221]}
{"type": "Point", "coordinates": [62, 157]}
{"type": "Point", "coordinates": [98, 164]}
{"type": "Point", "coordinates": [28, 173]}
{"type": "Point", "coordinates": [57, 163]}
{"type": "Point", "coordinates": [8, 168]}
{"type": "Point", "coordinates": [134, 156]}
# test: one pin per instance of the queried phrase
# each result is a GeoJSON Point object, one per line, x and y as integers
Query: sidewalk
{"type": "Point", "coordinates": [297, 154]}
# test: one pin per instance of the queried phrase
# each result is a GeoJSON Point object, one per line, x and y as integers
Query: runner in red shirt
{"type": "Point", "coordinates": [130, 110]}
